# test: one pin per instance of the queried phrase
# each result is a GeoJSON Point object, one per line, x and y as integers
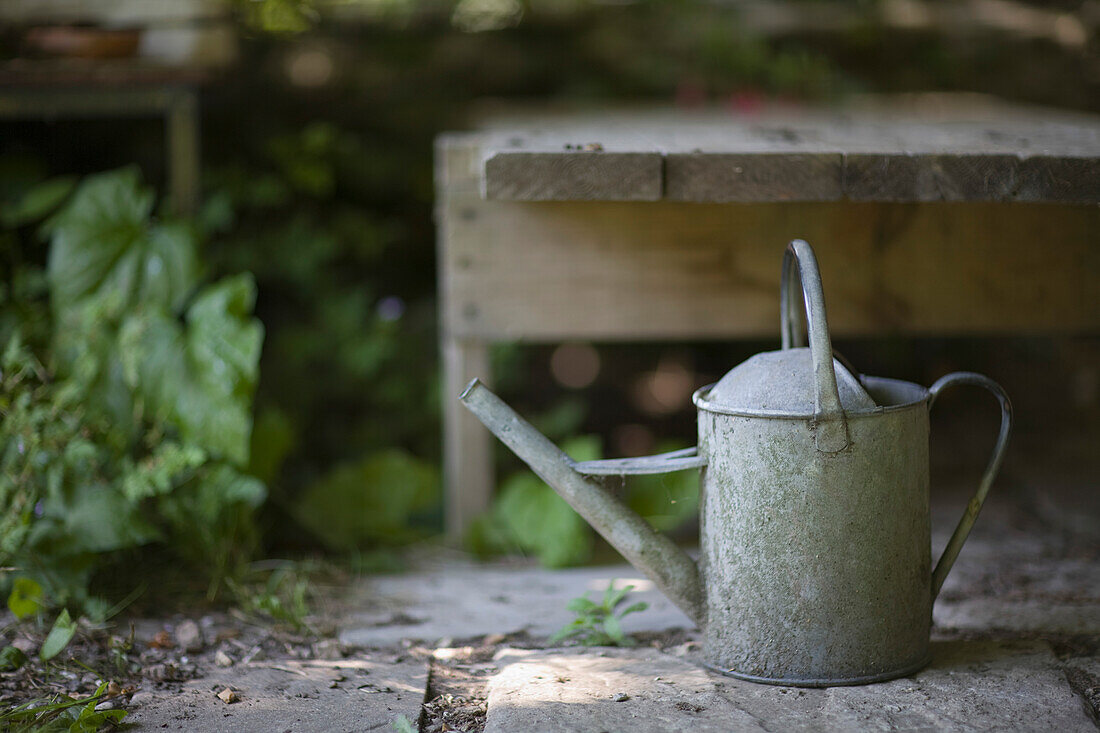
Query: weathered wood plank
{"type": "Point", "coordinates": [1075, 180]}
{"type": "Point", "coordinates": [870, 177]}
{"type": "Point", "coordinates": [182, 133]}
{"type": "Point", "coordinates": [634, 271]}
{"type": "Point", "coordinates": [467, 446]}
{"type": "Point", "coordinates": [999, 154]}
{"type": "Point", "coordinates": [763, 177]}
{"type": "Point", "coordinates": [578, 176]}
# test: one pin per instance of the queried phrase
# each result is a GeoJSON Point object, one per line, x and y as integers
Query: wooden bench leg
{"type": "Point", "coordinates": [182, 132]}
{"type": "Point", "coordinates": [467, 445]}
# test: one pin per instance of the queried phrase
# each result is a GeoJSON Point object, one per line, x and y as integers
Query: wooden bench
{"type": "Point", "coordinates": [659, 226]}
{"type": "Point", "coordinates": [55, 89]}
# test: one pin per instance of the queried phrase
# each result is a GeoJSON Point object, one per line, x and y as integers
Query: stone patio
{"type": "Point", "coordinates": [976, 685]}
{"type": "Point", "coordinates": [1016, 646]}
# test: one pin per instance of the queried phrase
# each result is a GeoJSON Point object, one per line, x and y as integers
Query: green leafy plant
{"type": "Point", "coordinates": [347, 413]}
{"type": "Point", "coordinates": [360, 503]}
{"type": "Point", "coordinates": [11, 659]}
{"type": "Point", "coordinates": [118, 654]}
{"type": "Point", "coordinates": [280, 17]}
{"type": "Point", "coordinates": [282, 597]}
{"type": "Point", "coordinates": [59, 637]}
{"type": "Point", "coordinates": [130, 423]}
{"type": "Point", "coordinates": [598, 624]}
{"type": "Point", "coordinates": [529, 517]}
{"type": "Point", "coordinates": [62, 713]}
{"type": "Point", "coordinates": [665, 500]}
{"type": "Point", "coordinates": [24, 601]}
{"type": "Point", "coordinates": [403, 725]}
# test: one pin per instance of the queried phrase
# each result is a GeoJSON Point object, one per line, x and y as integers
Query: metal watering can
{"type": "Point", "coordinates": [815, 565]}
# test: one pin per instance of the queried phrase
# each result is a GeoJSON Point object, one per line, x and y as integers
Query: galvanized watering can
{"type": "Point", "coordinates": [815, 565]}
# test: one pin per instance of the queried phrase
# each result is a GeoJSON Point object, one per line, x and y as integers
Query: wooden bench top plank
{"type": "Point", "coordinates": [997, 153]}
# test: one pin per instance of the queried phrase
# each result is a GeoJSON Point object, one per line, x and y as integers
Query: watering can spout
{"type": "Point", "coordinates": [671, 570]}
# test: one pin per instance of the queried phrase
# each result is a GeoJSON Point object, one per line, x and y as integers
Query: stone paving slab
{"type": "Point", "coordinates": [458, 599]}
{"type": "Point", "coordinates": [1028, 615]}
{"type": "Point", "coordinates": [978, 685]}
{"type": "Point", "coordinates": [291, 695]}
{"type": "Point", "coordinates": [1033, 571]}
{"type": "Point", "coordinates": [999, 583]}
{"type": "Point", "coordinates": [1026, 577]}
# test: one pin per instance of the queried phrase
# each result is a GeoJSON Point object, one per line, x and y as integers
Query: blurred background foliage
{"type": "Point", "coordinates": [317, 185]}
{"type": "Point", "coordinates": [127, 374]}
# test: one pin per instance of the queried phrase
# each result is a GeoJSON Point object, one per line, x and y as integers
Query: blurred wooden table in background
{"type": "Point", "coordinates": [83, 89]}
{"type": "Point", "coordinates": [930, 215]}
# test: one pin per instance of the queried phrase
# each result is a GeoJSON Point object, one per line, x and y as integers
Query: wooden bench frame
{"type": "Point", "coordinates": [543, 239]}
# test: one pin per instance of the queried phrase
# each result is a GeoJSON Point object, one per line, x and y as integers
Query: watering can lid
{"type": "Point", "coordinates": [783, 381]}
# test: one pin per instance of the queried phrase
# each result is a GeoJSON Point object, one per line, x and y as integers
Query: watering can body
{"type": "Point", "coordinates": [816, 566]}
{"type": "Point", "coordinates": [815, 559]}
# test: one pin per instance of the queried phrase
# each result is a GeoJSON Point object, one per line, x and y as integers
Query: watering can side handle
{"type": "Point", "coordinates": [677, 460]}
{"type": "Point", "coordinates": [954, 545]}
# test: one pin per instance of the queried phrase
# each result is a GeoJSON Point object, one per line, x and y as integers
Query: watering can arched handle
{"type": "Point", "coordinates": [799, 261]}
{"type": "Point", "coordinates": [947, 559]}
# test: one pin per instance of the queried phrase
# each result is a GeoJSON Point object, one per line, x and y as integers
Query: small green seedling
{"type": "Point", "coordinates": [59, 637]}
{"type": "Point", "coordinates": [403, 725]}
{"type": "Point", "coordinates": [598, 624]}
{"type": "Point", "coordinates": [283, 598]}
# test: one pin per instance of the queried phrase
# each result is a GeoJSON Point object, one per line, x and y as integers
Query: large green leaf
{"type": "Point", "coordinates": [36, 202]}
{"type": "Point", "coordinates": [372, 500]}
{"type": "Point", "coordinates": [273, 439]}
{"type": "Point", "coordinates": [530, 517]}
{"type": "Point", "coordinates": [94, 517]}
{"type": "Point", "coordinates": [86, 348]}
{"type": "Point", "coordinates": [540, 522]}
{"type": "Point", "coordinates": [200, 376]}
{"type": "Point", "coordinates": [103, 245]}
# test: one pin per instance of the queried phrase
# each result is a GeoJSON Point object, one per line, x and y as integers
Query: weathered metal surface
{"type": "Point", "coordinates": [814, 529]}
{"type": "Point", "coordinates": [671, 570]}
{"type": "Point", "coordinates": [947, 559]}
{"type": "Point", "coordinates": [780, 384]}
{"type": "Point", "coordinates": [677, 460]}
{"type": "Point", "coordinates": [816, 564]}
